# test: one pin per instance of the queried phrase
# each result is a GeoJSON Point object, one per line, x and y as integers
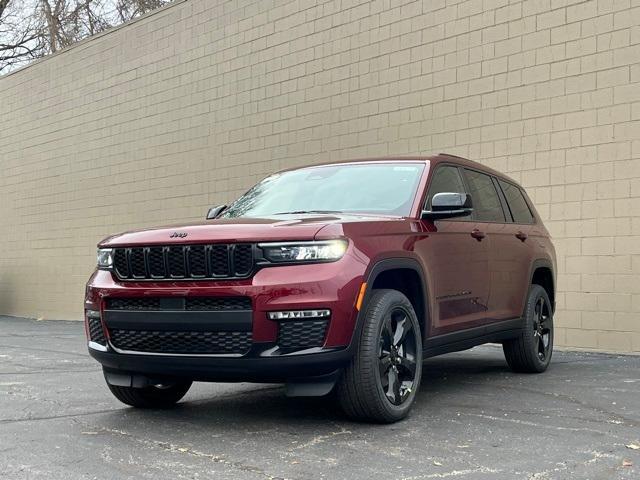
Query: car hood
{"type": "Point", "coordinates": [283, 228]}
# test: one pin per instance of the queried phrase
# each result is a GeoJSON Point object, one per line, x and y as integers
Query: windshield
{"type": "Point", "coordinates": [381, 188]}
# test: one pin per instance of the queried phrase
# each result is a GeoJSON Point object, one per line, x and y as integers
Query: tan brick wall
{"type": "Point", "coordinates": [153, 122]}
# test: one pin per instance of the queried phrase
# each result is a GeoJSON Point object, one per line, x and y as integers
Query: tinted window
{"type": "Point", "coordinates": [386, 188]}
{"type": "Point", "coordinates": [445, 179]}
{"type": "Point", "coordinates": [486, 203]}
{"type": "Point", "coordinates": [517, 204]}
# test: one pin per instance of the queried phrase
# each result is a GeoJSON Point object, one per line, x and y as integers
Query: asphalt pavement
{"type": "Point", "coordinates": [473, 419]}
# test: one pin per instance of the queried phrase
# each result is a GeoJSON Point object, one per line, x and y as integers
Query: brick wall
{"type": "Point", "coordinates": [155, 121]}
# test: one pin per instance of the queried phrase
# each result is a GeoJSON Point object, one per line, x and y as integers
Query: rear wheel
{"type": "Point", "coordinates": [383, 378]}
{"type": "Point", "coordinates": [154, 396]}
{"type": "Point", "coordinates": [531, 351]}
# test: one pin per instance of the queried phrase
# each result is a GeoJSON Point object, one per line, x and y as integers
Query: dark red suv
{"type": "Point", "coordinates": [335, 278]}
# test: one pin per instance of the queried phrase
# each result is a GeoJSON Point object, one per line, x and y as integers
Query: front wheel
{"type": "Point", "coordinates": [531, 351]}
{"type": "Point", "coordinates": [154, 396]}
{"type": "Point", "coordinates": [382, 380]}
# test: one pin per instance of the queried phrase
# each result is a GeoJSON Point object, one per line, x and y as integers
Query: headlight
{"type": "Point", "coordinates": [105, 257]}
{"type": "Point", "coordinates": [326, 251]}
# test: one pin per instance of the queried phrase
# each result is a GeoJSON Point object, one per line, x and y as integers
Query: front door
{"type": "Point", "coordinates": [504, 254]}
{"type": "Point", "coordinates": [456, 253]}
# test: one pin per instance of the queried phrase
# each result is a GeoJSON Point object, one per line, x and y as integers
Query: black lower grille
{"type": "Point", "coordinates": [179, 303]}
{"type": "Point", "coordinates": [302, 334]}
{"type": "Point", "coordinates": [217, 261]}
{"type": "Point", "coordinates": [96, 333]}
{"type": "Point", "coordinates": [181, 342]}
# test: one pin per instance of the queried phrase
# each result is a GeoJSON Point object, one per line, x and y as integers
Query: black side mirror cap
{"type": "Point", "coordinates": [449, 205]}
{"type": "Point", "coordinates": [215, 211]}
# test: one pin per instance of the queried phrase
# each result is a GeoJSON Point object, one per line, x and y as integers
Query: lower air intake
{"type": "Point", "coordinates": [197, 343]}
{"type": "Point", "coordinates": [96, 333]}
{"type": "Point", "coordinates": [302, 334]}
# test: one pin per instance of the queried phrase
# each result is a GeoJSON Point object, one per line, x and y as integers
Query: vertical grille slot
{"type": "Point", "coordinates": [197, 261]}
{"type": "Point", "coordinates": [136, 259]}
{"type": "Point", "coordinates": [242, 259]}
{"type": "Point", "coordinates": [120, 263]}
{"type": "Point", "coordinates": [176, 261]}
{"type": "Point", "coordinates": [219, 260]}
{"type": "Point", "coordinates": [155, 258]}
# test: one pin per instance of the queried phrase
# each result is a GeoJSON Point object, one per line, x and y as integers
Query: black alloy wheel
{"type": "Point", "coordinates": [542, 328]}
{"type": "Point", "coordinates": [531, 350]}
{"type": "Point", "coordinates": [382, 380]}
{"type": "Point", "coordinates": [397, 356]}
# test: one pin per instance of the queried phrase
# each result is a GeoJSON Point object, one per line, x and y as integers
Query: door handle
{"type": "Point", "coordinates": [521, 236]}
{"type": "Point", "coordinates": [477, 234]}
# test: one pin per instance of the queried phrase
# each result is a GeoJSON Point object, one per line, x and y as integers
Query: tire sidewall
{"type": "Point", "coordinates": [535, 293]}
{"type": "Point", "coordinates": [388, 301]}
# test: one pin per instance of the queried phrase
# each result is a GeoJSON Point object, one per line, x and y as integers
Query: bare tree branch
{"type": "Point", "coordinates": [3, 6]}
{"type": "Point", "coordinates": [30, 29]}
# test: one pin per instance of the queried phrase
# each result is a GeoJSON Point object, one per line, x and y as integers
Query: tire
{"type": "Point", "coordinates": [388, 355]}
{"type": "Point", "coordinates": [531, 351]}
{"type": "Point", "coordinates": [165, 396]}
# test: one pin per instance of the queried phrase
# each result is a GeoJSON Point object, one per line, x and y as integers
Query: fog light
{"type": "Point", "coordinates": [298, 314]}
{"type": "Point", "coordinates": [93, 314]}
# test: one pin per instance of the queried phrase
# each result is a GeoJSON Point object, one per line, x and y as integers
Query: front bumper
{"type": "Point", "coordinates": [256, 366]}
{"type": "Point", "coordinates": [332, 286]}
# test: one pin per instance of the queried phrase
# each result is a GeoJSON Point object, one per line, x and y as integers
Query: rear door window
{"type": "Point", "coordinates": [486, 203]}
{"type": "Point", "coordinates": [517, 204]}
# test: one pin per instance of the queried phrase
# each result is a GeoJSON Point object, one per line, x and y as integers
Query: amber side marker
{"type": "Point", "coordinates": [360, 298]}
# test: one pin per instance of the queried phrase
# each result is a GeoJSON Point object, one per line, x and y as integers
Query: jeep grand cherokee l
{"type": "Point", "coordinates": [335, 278]}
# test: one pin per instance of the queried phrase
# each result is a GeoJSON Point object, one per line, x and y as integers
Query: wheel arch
{"type": "Point", "coordinates": [542, 274]}
{"type": "Point", "coordinates": [405, 275]}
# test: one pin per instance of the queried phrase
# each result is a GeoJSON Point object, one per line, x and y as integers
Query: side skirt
{"type": "Point", "coordinates": [457, 341]}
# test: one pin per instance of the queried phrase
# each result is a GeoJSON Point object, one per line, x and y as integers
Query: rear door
{"type": "Point", "coordinates": [512, 253]}
{"type": "Point", "coordinates": [456, 255]}
{"type": "Point", "coordinates": [492, 220]}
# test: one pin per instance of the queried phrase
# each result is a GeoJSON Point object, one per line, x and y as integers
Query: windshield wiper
{"type": "Point", "coordinates": [298, 212]}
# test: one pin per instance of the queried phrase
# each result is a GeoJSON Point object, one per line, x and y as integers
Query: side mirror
{"type": "Point", "coordinates": [215, 211]}
{"type": "Point", "coordinates": [449, 205]}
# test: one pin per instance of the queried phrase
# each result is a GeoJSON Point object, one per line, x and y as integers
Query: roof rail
{"type": "Point", "coordinates": [451, 155]}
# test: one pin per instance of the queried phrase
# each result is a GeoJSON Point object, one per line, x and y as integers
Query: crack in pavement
{"type": "Point", "coordinates": [45, 350]}
{"type": "Point", "coordinates": [47, 371]}
{"type": "Point", "coordinates": [170, 447]}
{"type": "Point", "coordinates": [540, 425]}
{"type": "Point", "coordinates": [460, 406]}
{"type": "Point", "coordinates": [322, 438]}
{"type": "Point", "coordinates": [55, 417]}
{"type": "Point", "coordinates": [453, 473]}
{"type": "Point", "coordinates": [570, 399]}
{"type": "Point", "coordinates": [61, 336]}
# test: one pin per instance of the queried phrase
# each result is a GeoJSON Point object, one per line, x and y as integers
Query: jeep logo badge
{"type": "Point", "coordinates": [178, 235]}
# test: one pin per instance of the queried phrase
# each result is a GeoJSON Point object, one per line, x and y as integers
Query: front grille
{"type": "Point", "coordinates": [181, 342]}
{"type": "Point", "coordinates": [302, 334]}
{"type": "Point", "coordinates": [217, 261]}
{"type": "Point", "coordinates": [96, 333]}
{"type": "Point", "coordinates": [179, 303]}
